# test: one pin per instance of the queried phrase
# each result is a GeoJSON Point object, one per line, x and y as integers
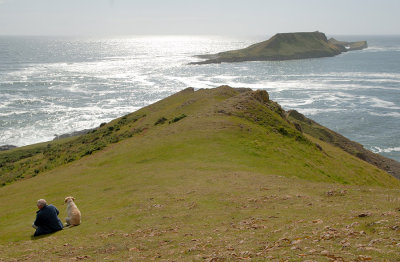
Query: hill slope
{"type": "Point", "coordinates": [211, 174]}
{"type": "Point", "coordinates": [286, 46]}
{"type": "Point", "coordinates": [314, 129]}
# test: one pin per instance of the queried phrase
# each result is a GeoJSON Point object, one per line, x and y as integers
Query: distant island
{"type": "Point", "coordinates": [286, 46]}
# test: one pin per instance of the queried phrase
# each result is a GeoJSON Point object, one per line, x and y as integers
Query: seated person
{"type": "Point", "coordinates": [47, 220]}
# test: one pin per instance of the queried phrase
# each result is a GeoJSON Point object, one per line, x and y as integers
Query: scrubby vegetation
{"type": "Point", "coordinates": [160, 121]}
{"type": "Point", "coordinates": [176, 119]}
{"type": "Point", "coordinates": [29, 161]}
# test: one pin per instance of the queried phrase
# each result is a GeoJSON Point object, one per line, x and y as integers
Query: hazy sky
{"type": "Point", "coordinates": [213, 17]}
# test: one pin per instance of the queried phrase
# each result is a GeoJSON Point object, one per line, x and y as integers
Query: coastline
{"type": "Point", "coordinates": [349, 86]}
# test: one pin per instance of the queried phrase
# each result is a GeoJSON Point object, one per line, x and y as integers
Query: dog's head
{"type": "Point", "coordinates": [69, 199]}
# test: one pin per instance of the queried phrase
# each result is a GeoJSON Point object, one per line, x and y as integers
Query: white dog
{"type": "Point", "coordinates": [73, 214]}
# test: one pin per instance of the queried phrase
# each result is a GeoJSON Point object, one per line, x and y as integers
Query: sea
{"type": "Point", "coordinates": [55, 85]}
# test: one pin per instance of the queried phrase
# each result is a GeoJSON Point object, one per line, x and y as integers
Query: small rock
{"type": "Point", "coordinates": [324, 252]}
{"type": "Point", "coordinates": [317, 221]}
{"type": "Point", "coordinates": [336, 193]}
{"type": "Point", "coordinates": [373, 241]}
{"type": "Point", "coordinates": [364, 214]}
{"type": "Point", "coordinates": [345, 244]}
{"type": "Point", "coordinates": [381, 221]}
{"type": "Point", "coordinates": [389, 213]}
{"type": "Point", "coordinates": [364, 258]}
{"type": "Point", "coordinates": [82, 257]}
{"type": "Point", "coordinates": [352, 224]}
{"type": "Point", "coordinates": [245, 253]}
{"type": "Point", "coordinates": [297, 241]}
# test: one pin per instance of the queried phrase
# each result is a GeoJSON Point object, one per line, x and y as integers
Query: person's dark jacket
{"type": "Point", "coordinates": [47, 220]}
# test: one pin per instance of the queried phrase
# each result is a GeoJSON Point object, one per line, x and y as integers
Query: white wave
{"type": "Point", "coordinates": [226, 77]}
{"type": "Point", "coordinates": [377, 149]}
{"type": "Point", "coordinates": [195, 81]}
{"type": "Point", "coordinates": [79, 88]}
{"type": "Point", "coordinates": [295, 103]}
{"type": "Point", "coordinates": [14, 114]}
{"type": "Point", "coordinates": [386, 114]}
{"type": "Point", "coordinates": [316, 111]}
{"type": "Point", "coordinates": [380, 103]}
{"type": "Point", "coordinates": [352, 75]}
{"type": "Point", "coordinates": [374, 49]}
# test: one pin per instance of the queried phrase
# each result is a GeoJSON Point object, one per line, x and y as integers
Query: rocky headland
{"type": "Point", "coordinates": [286, 46]}
{"type": "Point", "coordinates": [7, 147]}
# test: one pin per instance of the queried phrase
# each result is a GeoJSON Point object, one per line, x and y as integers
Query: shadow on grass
{"type": "Point", "coordinates": [42, 236]}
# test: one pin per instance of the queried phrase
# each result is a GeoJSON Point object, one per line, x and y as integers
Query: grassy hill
{"type": "Point", "coordinates": [213, 174]}
{"type": "Point", "coordinates": [286, 46]}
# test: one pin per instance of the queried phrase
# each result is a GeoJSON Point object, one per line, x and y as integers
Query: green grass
{"type": "Point", "coordinates": [286, 46]}
{"type": "Point", "coordinates": [222, 183]}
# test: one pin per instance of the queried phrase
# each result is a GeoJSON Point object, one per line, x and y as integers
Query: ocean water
{"type": "Point", "coordinates": [53, 85]}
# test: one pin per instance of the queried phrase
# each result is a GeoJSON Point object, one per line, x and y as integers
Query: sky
{"type": "Point", "coordinates": [200, 17]}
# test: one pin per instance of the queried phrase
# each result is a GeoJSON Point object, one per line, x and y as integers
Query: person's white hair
{"type": "Point", "coordinates": [41, 202]}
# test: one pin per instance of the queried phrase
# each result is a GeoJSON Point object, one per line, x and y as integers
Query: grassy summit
{"type": "Point", "coordinates": [218, 174]}
{"type": "Point", "coordinates": [287, 46]}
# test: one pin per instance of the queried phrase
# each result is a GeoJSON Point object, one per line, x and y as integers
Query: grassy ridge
{"type": "Point", "coordinates": [233, 179]}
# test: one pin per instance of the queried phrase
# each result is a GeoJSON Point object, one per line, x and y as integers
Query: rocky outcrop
{"type": "Point", "coordinates": [6, 147]}
{"type": "Point", "coordinates": [286, 46]}
{"type": "Point", "coordinates": [349, 46]}
{"type": "Point", "coordinates": [75, 133]}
